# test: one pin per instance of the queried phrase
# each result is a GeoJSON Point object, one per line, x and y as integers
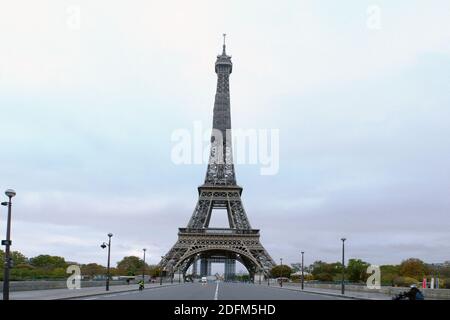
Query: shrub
{"type": "Point", "coordinates": [444, 283]}
{"type": "Point", "coordinates": [296, 278]}
{"type": "Point", "coordinates": [405, 281]}
{"type": "Point", "coordinates": [324, 277]}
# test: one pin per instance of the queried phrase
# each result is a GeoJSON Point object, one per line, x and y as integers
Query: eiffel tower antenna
{"type": "Point", "coordinates": [198, 242]}
{"type": "Point", "coordinates": [223, 51]}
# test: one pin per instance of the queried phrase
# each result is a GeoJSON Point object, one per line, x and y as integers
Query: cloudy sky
{"type": "Point", "coordinates": [91, 92]}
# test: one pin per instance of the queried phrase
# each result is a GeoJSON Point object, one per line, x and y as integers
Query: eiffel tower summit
{"type": "Point", "coordinates": [198, 243]}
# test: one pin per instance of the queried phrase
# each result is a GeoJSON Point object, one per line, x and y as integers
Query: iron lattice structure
{"type": "Point", "coordinates": [238, 242]}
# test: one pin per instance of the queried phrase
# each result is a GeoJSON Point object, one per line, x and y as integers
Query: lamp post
{"type": "Point", "coordinates": [10, 193]}
{"type": "Point", "coordinates": [281, 272]}
{"type": "Point", "coordinates": [143, 268]}
{"type": "Point", "coordinates": [343, 267]}
{"type": "Point", "coordinates": [104, 245]}
{"type": "Point", "coordinates": [302, 271]}
{"type": "Point", "coordinates": [260, 275]}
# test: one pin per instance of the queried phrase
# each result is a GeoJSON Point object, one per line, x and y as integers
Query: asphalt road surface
{"type": "Point", "coordinates": [214, 291]}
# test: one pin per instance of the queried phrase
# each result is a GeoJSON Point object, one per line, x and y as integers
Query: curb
{"type": "Point", "coordinates": [108, 293]}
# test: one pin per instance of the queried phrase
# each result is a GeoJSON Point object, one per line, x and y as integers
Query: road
{"type": "Point", "coordinates": [214, 291]}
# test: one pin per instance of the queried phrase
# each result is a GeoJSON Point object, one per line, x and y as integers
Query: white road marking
{"type": "Point", "coordinates": [216, 295]}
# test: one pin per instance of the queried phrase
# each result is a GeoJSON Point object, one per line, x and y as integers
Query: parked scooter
{"type": "Point", "coordinates": [400, 296]}
{"type": "Point", "coordinates": [413, 294]}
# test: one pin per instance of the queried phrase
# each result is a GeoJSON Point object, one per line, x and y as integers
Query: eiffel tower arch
{"type": "Point", "coordinates": [238, 242]}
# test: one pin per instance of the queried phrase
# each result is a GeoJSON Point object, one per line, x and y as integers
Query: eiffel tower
{"type": "Point", "coordinates": [199, 242]}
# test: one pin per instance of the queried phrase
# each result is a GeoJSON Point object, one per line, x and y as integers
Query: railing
{"type": "Point", "coordinates": [219, 231]}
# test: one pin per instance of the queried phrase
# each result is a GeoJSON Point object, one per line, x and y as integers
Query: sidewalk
{"type": "Point", "coordinates": [58, 294]}
{"type": "Point", "coordinates": [336, 293]}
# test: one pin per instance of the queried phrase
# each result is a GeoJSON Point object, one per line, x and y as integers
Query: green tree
{"type": "Point", "coordinates": [18, 261]}
{"type": "Point", "coordinates": [281, 271]}
{"type": "Point", "coordinates": [389, 273]}
{"type": "Point", "coordinates": [92, 269]}
{"type": "Point", "coordinates": [58, 273]}
{"type": "Point", "coordinates": [130, 265]}
{"type": "Point", "coordinates": [22, 272]}
{"type": "Point", "coordinates": [413, 268]}
{"type": "Point", "coordinates": [115, 272]}
{"type": "Point", "coordinates": [16, 256]}
{"type": "Point", "coordinates": [357, 270]}
{"type": "Point", "coordinates": [153, 271]}
{"type": "Point", "coordinates": [47, 262]}
{"type": "Point", "coordinates": [323, 271]}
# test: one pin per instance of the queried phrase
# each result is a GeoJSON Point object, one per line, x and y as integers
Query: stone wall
{"type": "Point", "coordinates": [56, 284]}
{"type": "Point", "coordinates": [391, 291]}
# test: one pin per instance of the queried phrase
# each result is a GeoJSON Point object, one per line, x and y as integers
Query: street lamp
{"type": "Point", "coordinates": [343, 266]}
{"type": "Point", "coordinates": [10, 193]}
{"type": "Point", "coordinates": [302, 271]}
{"type": "Point", "coordinates": [143, 268]}
{"type": "Point", "coordinates": [281, 272]}
{"type": "Point", "coordinates": [104, 245]}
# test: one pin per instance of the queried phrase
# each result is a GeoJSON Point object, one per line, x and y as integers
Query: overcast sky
{"type": "Point", "coordinates": [360, 95]}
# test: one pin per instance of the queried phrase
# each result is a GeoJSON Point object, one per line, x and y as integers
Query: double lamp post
{"type": "Point", "coordinates": [104, 245]}
{"type": "Point", "coordinates": [10, 193]}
